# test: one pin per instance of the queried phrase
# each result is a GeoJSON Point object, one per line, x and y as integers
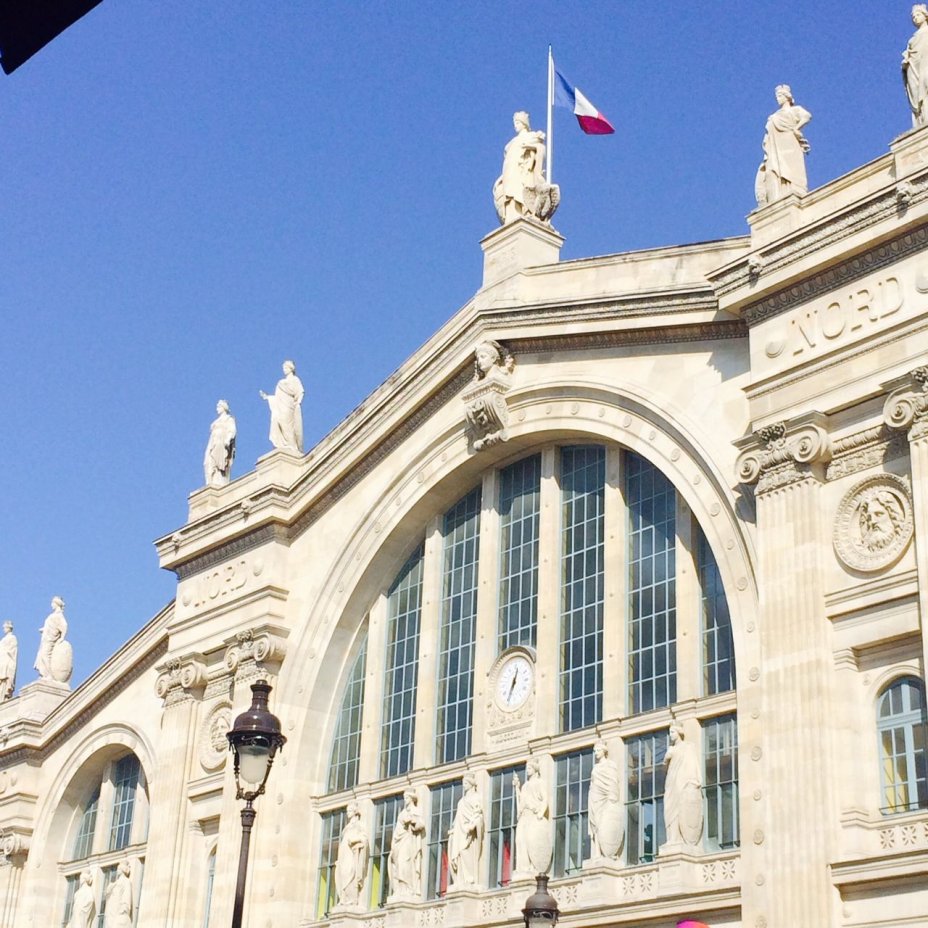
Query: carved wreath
{"type": "Point", "coordinates": [874, 525]}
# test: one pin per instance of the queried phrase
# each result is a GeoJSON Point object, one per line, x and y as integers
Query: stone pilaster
{"type": "Point", "coordinates": [791, 878]}
{"type": "Point", "coordinates": [14, 848]}
{"type": "Point", "coordinates": [906, 408]}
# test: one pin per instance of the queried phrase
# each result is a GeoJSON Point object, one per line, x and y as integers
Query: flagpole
{"type": "Point", "coordinates": [550, 116]}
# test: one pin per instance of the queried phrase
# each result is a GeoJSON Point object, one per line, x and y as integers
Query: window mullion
{"type": "Point", "coordinates": [426, 693]}
{"type": "Point", "coordinates": [139, 831]}
{"type": "Point", "coordinates": [549, 587]}
{"type": "Point", "coordinates": [487, 603]}
{"type": "Point", "coordinates": [372, 718]}
{"type": "Point", "coordinates": [689, 607]}
{"type": "Point", "coordinates": [101, 837]}
{"type": "Point", "coordinates": [616, 581]}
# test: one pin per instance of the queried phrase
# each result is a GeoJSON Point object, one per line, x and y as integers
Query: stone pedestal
{"type": "Point", "coordinates": [775, 220]}
{"type": "Point", "coordinates": [280, 466]}
{"type": "Point", "coordinates": [910, 152]}
{"type": "Point", "coordinates": [677, 869]}
{"type": "Point", "coordinates": [38, 700]}
{"type": "Point", "coordinates": [516, 246]}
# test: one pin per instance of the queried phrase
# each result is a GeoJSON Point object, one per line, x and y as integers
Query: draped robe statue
{"type": "Point", "coordinates": [607, 832]}
{"type": "Point", "coordinates": [220, 449]}
{"type": "Point", "coordinates": [9, 650]}
{"type": "Point", "coordinates": [465, 840]}
{"type": "Point", "coordinates": [118, 912]}
{"type": "Point", "coordinates": [83, 906]}
{"type": "Point", "coordinates": [783, 170]}
{"type": "Point", "coordinates": [683, 813]}
{"type": "Point", "coordinates": [406, 851]}
{"type": "Point", "coordinates": [286, 412]}
{"type": "Point", "coordinates": [915, 67]}
{"type": "Point", "coordinates": [351, 864]}
{"type": "Point", "coordinates": [533, 824]}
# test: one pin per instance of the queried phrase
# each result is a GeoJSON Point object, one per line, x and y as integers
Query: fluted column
{"type": "Point", "coordinates": [906, 408]}
{"type": "Point", "coordinates": [791, 884]}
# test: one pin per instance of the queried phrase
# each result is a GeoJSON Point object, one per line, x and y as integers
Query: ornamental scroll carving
{"type": "Point", "coordinates": [485, 406]}
{"type": "Point", "coordinates": [253, 646]}
{"type": "Point", "coordinates": [907, 407]}
{"type": "Point", "coordinates": [782, 454]}
{"type": "Point", "coordinates": [178, 677]}
{"type": "Point", "coordinates": [874, 523]}
{"type": "Point", "coordinates": [13, 848]}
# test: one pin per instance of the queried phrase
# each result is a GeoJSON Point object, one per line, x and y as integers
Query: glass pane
{"type": "Point", "coordinates": [126, 781]}
{"type": "Point", "coordinates": [346, 746]}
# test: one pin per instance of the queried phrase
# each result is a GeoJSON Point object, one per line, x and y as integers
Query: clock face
{"type": "Point", "coordinates": [514, 683]}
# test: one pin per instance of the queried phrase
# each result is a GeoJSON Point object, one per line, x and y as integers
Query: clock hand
{"type": "Point", "coordinates": [512, 687]}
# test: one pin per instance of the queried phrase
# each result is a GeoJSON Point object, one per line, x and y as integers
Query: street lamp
{"type": "Point", "coordinates": [541, 907]}
{"type": "Point", "coordinates": [255, 738]}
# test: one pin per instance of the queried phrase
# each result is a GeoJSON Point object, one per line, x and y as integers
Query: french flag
{"type": "Point", "coordinates": [592, 122]}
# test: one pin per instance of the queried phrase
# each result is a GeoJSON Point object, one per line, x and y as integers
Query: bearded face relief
{"type": "Point", "coordinates": [874, 523]}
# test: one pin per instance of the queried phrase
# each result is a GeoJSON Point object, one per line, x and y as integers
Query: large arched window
{"type": "Point", "coordinates": [110, 830]}
{"type": "Point", "coordinates": [902, 727]}
{"type": "Point", "coordinates": [586, 555]}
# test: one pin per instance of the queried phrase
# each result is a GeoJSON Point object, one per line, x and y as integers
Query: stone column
{"type": "Point", "coordinates": [168, 793]}
{"type": "Point", "coordinates": [906, 408]}
{"type": "Point", "coordinates": [791, 884]}
{"type": "Point", "coordinates": [13, 850]}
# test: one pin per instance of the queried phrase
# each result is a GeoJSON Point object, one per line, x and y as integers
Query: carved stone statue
{"type": "Point", "coordinates": [84, 905]}
{"type": "Point", "coordinates": [286, 413]}
{"type": "Point", "coordinates": [465, 839]}
{"type": "Point", "coordinates": [683, 814]}
{"type": "Point", "coordinates": [485, 403]}
{"type": "Point", "coordinates": [351, 864]}
{"type": "Point", "coordinates": [118, 910]}
{"type": "Point", "coordinates": [406, 851]}
{"type": "Point", "coordinates": [220, 449]}
{"type": "Point", "coordinates": [783, 170]}
{"type": "Point", "coordinates": [533, 822]}
{"type": "Point", "coordinates": [55, 660]}
{"type": "Point", "coordinates": [607, 832]}
{"type": "Point", "coordinates": [521, 191]}
{"type": "Point", "coordinates": [9, 649]}
{"type": "Point", "coordinates": [915, 66]}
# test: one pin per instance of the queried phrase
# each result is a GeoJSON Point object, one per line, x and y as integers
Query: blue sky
{"type": "Point", "coordinates": [191, 192]}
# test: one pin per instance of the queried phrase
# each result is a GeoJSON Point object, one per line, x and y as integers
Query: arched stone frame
{"type": "Point", "coordinates": [441, 466]}
{"type": "Point", "coordinates": [873, 692]}
{"type": "Point", "coordinates": [54, 826]}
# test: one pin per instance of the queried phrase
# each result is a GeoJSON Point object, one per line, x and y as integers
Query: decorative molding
{"type": "Point", "coordinates": [213, 747]}
{"type": "Point", "coordinates": [904, 837]}
{"type": "Point", "coordinates": [872, 447]}
{"type": "Point", "coordinates": [179, 677]}
{"type": "Point", "coordinates": [874, 523]}
{"type": "Point", "coordinates": [14, 846]}
{"type": "Point", "coordinates": [254, 651]}
{"type": "Point", "coordinates": [495, 907]}
{"type": "Point", "coordinates": [640, 883]}
{"type": "Point", "coordinates": [834, 277]}
{"type": "Point", "coordinates": [783, 454]}
{"type": "Point", "coordinates": [237, 546]}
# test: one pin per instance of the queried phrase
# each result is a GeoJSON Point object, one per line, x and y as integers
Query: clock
{"type": "Point", "coordinates": [515, 679]}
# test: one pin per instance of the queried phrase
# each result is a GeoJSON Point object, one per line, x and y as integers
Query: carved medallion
{"type": "Point", "coordinates": [213, 744]}
{"type": "Point", "coordinates": [873, 526]}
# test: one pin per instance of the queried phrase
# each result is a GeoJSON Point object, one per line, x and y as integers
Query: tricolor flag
{"type": "Point", "coordinates": [592, 122]}
{"type": "Point", "coordinates": [689, 923]}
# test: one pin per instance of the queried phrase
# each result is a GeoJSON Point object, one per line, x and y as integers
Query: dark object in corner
{"type": "Point", "coordinates": [26, 26]}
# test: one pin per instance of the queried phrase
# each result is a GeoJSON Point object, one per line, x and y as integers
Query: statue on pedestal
{"type": "Point", "coordinates": [683, 813]}
{"type": "Point", "coordinates": [9, 649]}
{"type": "Point", "coordinates": [84, 905]}
{"type": "Point", "coordinates": [220, 449]}
{"type": "Point", "coordinates": [351, 864]}
{"type": "Point", "coordinates": [533, 822]}
{"type": "Point", "coordinates": [783, 170]}
{"type": "Point", "coordinates": [607, 832]}
{"type": "Point", "coordinates": [118, 910]}
{"type": "Point", "coordinates": [465, 839]}
{"type": "Point", "coordinates": [55, 660]}
{"type": "Point", "coordinates": [521, 191]}
{"type": "Point", "coordinates": [286, 413]}
{"type": "Point", "coordinates": [915, 66]}
{"type": "Point", "coordinates": [406, 851]}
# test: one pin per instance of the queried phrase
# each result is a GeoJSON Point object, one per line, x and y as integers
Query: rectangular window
{"type": "Point", "coordinates": [83, 844]}
{"type": "Point", "coordinates": [583, 479]}
{"type": "Point", "coordinates": [73, 882]}
{"type": "Point", "coordinates": [502, 835]}
{"type": "Point", "coordinates": [346, 746]}
{"type": "Point", "coordinates": [652, 614]}
{"type": "Point", "coordinates": [571, 831]}
{"type": "Point", "coordinates": [404, 606]}
{"type": "Point", "coordinates": [458, 619]}
{"type": "Point", "coordinates": [385, 814]}
{"type": "Point", "coordinates": [445, 799]}
{"type": "Point", "coordinates": [717, 646]}
{"type": "Point", "coordinates": [332, 825]}
{"type": "Point", "coordinates": [645, 804]}
{"type": "Point", "coordinates": [210, 880]}
{"type": "Point", "coordinates": [720, 738]}
{"type": "Point", "coordinates": [126, 781]}
{"type": "Point", "coordinates": [519, 511]}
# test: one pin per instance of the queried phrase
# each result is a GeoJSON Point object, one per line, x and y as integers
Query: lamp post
{"type": "Point", "coordinates": [254, 739]}
{"type": "Point", "coordinates": [541, 909]}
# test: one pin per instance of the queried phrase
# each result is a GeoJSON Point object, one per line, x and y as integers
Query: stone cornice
{"type": "Point", "coordinates": [782, 454]}
{"type": "Point", "coordinates": [870, 448]}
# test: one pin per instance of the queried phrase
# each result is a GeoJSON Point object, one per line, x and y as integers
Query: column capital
{"type": "Point", "coordinates": [906, 407]}
{"type": "Point", "coordinates": [784, 453]}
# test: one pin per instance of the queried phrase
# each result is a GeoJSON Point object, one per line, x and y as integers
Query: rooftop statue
{"type": "Point", "coordinates": [55, 659]}
{"type": "Point", "coordinates": [521, 191]}
{"type": "Point", "coordinates": [783, 170]}
{"type": "Point", "coordinates": [286, 414]}
{"type": "Point", "coordinates": [220, 449]}
{"type": "Point", "coordinates": [915, 66]}
{"type": "Point", "coordinates": [9, 649]}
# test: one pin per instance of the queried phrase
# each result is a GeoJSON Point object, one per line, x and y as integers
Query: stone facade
{"type": "Point", "coordinates": [702, 457]}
